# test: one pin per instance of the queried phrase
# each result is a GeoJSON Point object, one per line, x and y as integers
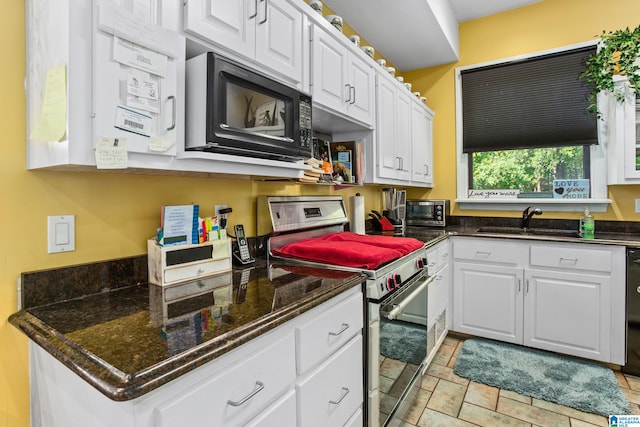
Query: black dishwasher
{"type": "Point", "coordinates": [633, 312]}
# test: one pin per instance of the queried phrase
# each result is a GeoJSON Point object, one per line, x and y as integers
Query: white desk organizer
{"type": "Point", "coordinates": [169, 265]}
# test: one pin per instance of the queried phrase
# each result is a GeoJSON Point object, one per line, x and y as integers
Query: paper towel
{"type": "Point", "coordinates": [356, 214]}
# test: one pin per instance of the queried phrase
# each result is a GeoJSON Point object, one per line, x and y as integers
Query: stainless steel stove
{"type": "Point", "coordinates": [394, 285]}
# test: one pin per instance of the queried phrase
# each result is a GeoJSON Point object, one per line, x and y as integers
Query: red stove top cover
{"type": "Point", "coordinates": [350, 249]}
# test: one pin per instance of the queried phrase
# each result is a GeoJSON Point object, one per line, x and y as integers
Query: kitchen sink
{"type": "Point", "coordinates": [551, 232]}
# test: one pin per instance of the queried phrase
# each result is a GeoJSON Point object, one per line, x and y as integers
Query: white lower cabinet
{"type": "Point", "coordinates": [581, 303]}
{"type": "Point", "coordinates": [563, 297]}
{"type": "Point", "coordinates": [237, 393]}
{"type": "Point", "coordinates": [488, 301]}
{"type": "Point", "coordinates": [333, 392]}
{"type": "Point", "coordinates": [253, 385]}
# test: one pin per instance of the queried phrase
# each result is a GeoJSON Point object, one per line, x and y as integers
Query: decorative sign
{"type": "Point", "coordinates": [493, 194]}
{"type": "Point", "coordinates": [570, 188]}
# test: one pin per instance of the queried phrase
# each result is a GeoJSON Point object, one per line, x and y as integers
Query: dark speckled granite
{"type": "Point", "coordinates": [41, 287]}
{"type": "Point", "coordinates": [117, 332]}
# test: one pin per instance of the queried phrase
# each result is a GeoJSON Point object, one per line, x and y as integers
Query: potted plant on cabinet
{"type": "Point", "coordinates": [616, 59]}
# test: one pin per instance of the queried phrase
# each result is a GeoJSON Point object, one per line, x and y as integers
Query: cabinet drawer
{"type": "Point", "coordinates": [356, 420]}
{"type": "Point", "coordinates": [437, 257]}
{"type": "Point", "coordinates": [231, 397]}
{"type": "Point", "coordinates": [327, 332]}
{"type": "Point", "coordinates": [571, 257]}
{"type": "Point", "coordinates": [489, 250]}
{"type": "Point", "coordinates": [281, 414]}
{"type": "Point", "coordinates": [196, 270]}
{"type": "Point", "coordinates": [332, 392]}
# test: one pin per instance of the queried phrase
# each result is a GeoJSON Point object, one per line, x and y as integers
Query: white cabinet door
{"type": "Point", "coordinates": [340, 79]}
{"type": "Point", "coordinates": [118, 78]}
{"type": "Point", "coordinates": [422, 144]}
{"type": "Point", "coordinates": [279, 38]}
{"type": "Point", "coordinates": [266, 31]}
{"type": "Point", "coordinates": [568, 313]}
{"type": "Point", "coordinates": [228, 23]}
{"type": "Point", "coordinates": [362, 78]}
{"type": "Point", "coordinates": [403, 135]}
{"type": "Point", "coordinates": [488, 301]}
{"type": "Point", "coordinates": [329, 78]}
{"type": "Point", "coordinates": [386, 129]}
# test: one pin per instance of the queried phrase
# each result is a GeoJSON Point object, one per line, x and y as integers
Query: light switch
{"type": "Point", "coordinates": [61, 233]}
{"type": "Point", "coordinates": [637, 205]}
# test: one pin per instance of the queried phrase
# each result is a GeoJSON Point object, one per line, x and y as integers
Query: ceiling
{"type": "Point", "coordinates": [415, 34]}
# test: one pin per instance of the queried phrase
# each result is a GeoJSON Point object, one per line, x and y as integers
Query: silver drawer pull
{"type": "Point", "coordinates": [483, 253]}
{"type": "Point", "coordinates": [345, 391]}
{"type": "Point", "coordinates": [249, 396]}
{"type": "Point", "coordinates": [572, 260]}
{"type": "Point", "coordinates": [345, 326]}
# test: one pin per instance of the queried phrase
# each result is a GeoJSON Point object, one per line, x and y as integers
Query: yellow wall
{"type": "Point", "coordinates": [545, 25]}
{"type": "Point", "coordinates": [116, 213]}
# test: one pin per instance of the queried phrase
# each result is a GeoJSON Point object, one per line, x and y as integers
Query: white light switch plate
{"type": "Point", "coordinates": [637, 205]}
{"type": "Point", "coordinates": [61, 233]}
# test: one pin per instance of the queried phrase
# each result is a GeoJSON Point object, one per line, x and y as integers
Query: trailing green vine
{"type": "Point", "coordinates": [617, 55]}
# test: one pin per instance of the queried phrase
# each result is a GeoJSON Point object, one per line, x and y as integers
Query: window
{"type": "Point", "coordinates": [523, 123]}
{"type": "Point", "coordinates": [530, 171]}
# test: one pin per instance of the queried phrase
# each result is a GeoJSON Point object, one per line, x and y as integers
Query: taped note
{"type": "Point", "coordinates": [111, 153]}
{"type": "Point", "coordinates": [52, 121]}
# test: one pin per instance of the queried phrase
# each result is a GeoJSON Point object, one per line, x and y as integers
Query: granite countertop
{"type": "Point", "coordinates": [624, 233]}
{"type": "Point", "coordinates": [121, 335]}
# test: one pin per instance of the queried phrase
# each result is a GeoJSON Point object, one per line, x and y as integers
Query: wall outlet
{"type": "Point", "coordinates": [222, 219]}
{"type": "Point", "coordinates": [637, 205]}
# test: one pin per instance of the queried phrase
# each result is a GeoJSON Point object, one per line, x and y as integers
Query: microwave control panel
{"type": "Point", "coordinates": [305, 121]}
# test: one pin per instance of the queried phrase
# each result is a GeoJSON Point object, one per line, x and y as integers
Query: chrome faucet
{"type": "Point", "coordinates": [527, 215]}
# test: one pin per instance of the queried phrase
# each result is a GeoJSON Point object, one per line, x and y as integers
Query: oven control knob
{"type": "Point", "coordinates": [420, 264]}
{"type": "Point", "coordinates": [397, 279]}
{"type": "Point", "coordinates": [390, 283]}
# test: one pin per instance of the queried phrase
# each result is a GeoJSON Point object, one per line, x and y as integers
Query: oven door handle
{"type": "Point", "coordinates": [397, 309]}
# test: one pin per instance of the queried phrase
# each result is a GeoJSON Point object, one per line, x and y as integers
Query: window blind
{"type": "Point", "coordinates": [533, 103]}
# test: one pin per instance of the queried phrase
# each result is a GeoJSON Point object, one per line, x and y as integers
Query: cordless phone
{"type": "Point", "coordinates": [242, 253]}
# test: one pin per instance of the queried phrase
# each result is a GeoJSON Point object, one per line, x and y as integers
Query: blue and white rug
{"type": "Point", "coordinates": [583, 385]}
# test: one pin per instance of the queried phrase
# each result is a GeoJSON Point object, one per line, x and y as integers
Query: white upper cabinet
{"type": "Point", "coordinates": [269, 32]}
{"type": "Point", "coordinates": [341, 78]}
{"type": "Point", "coordinates": [403, 149]}
{"type": "Point", "coordinates": [422, 144]}
{"type": "Point", "coordinates": [620, 129]}
{"type": "Point", "coordinates": [109, 54]}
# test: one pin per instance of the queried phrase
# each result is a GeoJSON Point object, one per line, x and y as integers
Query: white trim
{"type": "Point", "coordinates": [598, 202]}
{"type": "Point", "coordinates": [547, 205]}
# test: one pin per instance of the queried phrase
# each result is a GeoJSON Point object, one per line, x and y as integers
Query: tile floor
{"type": "Point", "coordinates": [446, 399]}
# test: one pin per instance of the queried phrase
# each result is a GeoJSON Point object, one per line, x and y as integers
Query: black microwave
{"type": "Point", "coordinates": [231, 109]}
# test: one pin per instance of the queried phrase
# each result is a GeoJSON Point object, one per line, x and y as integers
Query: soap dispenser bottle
{"type": "Point", "coordinates": [587, 225]}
